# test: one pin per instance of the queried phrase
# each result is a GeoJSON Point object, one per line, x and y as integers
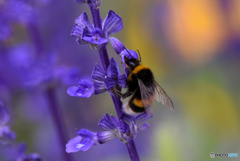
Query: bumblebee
{"type": "Point", "coordinates": [142, 88]}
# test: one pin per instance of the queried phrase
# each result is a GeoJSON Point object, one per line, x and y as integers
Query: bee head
{"type": "Point", "coordinates": [132, 63]}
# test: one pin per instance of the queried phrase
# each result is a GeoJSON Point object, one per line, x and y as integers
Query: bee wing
{"type": "Point", "coordinates": [147, 94]}
{"type": "Point", "coordinates": [161, 96]}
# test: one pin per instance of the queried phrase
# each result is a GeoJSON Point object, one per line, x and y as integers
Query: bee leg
{"type": "Point", "coordinates": [127, 94]}
{"type": "Point", "coordinates": [128, 68]}
{"type": "Point", "coordinates": [117, 92]}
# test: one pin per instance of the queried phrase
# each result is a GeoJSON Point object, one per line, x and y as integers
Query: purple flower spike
{"type": "Point", "coordinates": [85, 89]}
{"type": "Point", "coordinates": [124, 129]}
{"type": "Point", "coordinates": [112, 24]}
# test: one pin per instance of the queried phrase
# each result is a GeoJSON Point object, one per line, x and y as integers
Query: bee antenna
{"type": "Point", "coordinates": [128, 52]}
{"type": "Point", "coordinates": [139, 56]}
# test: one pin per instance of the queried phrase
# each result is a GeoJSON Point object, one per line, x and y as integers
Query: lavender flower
{"type": "Point", "coordinates": [86, 33]}
{"type": "Point", "coordinates": [125, 129]}
{"type": "Point", "coordinates": [103, 81]}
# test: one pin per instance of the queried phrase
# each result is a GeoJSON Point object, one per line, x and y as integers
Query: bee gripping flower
{"type": "Point", "coordinates": [122, 51]}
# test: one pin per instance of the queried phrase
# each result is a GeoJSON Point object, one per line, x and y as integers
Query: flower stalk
{"type": "Point", "coordinates": [54, 109]}
{"type": "Point", "coordinates": [105, 63]}
{"type": "Point", "coordinates": [57, 118]}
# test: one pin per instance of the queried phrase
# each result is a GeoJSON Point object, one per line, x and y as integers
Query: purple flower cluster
{"type": "Point", "coordinates": [125, 129]}
{"type": "Point", "coordinates": [105, 79]}
{"type": "Point", "coordinates": [9, 149]}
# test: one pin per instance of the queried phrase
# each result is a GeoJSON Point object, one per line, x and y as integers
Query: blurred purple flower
{"type": "Point", "coordinates": [5, 31]}
{"type": "Point", "coordinates": [81, 1]}
{"type": "Point", "coordinates": [23, 157]}
{"type": "Point", "coordinates": [124, 130]}
{"type": "Point", "coordinates": [4, 129]}
{"type": "Point", "coordinates": [86, 33]}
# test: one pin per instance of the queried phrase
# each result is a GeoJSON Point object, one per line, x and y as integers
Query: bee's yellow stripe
{"type": "Point", "coordinates": [138, 102]}
{"type": "Point", "coordinates": [139, 68]}
{"type": "Point", "coordinates": [130, 77]}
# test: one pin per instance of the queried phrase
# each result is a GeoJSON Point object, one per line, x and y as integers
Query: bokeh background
{"type": "Point", "coordinates": [192, 47]}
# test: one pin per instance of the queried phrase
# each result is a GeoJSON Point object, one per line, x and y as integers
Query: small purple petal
{"type": "Point", "coordinates": [98, 73]}
{"type": "Point", "coordinates": [85, 89]}
{"type": "Point", "coordinates": [83, 21]}
{"type": "Point", "coordinates": [105, 136]}
{"type": "Point", "coordinates": [112, 70]}
{"type": "Point", "coordinates": [112, 24]}
{"type": "Point", "coordinates": [117, 45]}
{"type": "Point", "coordinates": [142, 118]}
{"type": "Point", "coordinates": [143, 127]}
{"type": "Point", "coordinates": [110, 83]}
{"type": "Point", "coordinates": [121, 50]}
{"type": "Point", "coordinates": [88, 143]}
{"type": "Point", "coordinates": [77, 31]}
{"type": "Point", "coordinates": [71, 146]}
{"type": "Point", "coordinates": [99, 88]}
{"type": "Point", "coordinates": [4, 117]}
{"type": "Point", "coordinates": [122, 81]}
{"type": "Point", "coordinates": [115, 121]}
{"type": "Point", "coordinates": [127, 118]}
{"type": "Point", "coordinates": [107, 123]}
{"type": "Point", "coordinates": [124, 127]}
{"type": "Point", "coordinates": [86, 133]}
